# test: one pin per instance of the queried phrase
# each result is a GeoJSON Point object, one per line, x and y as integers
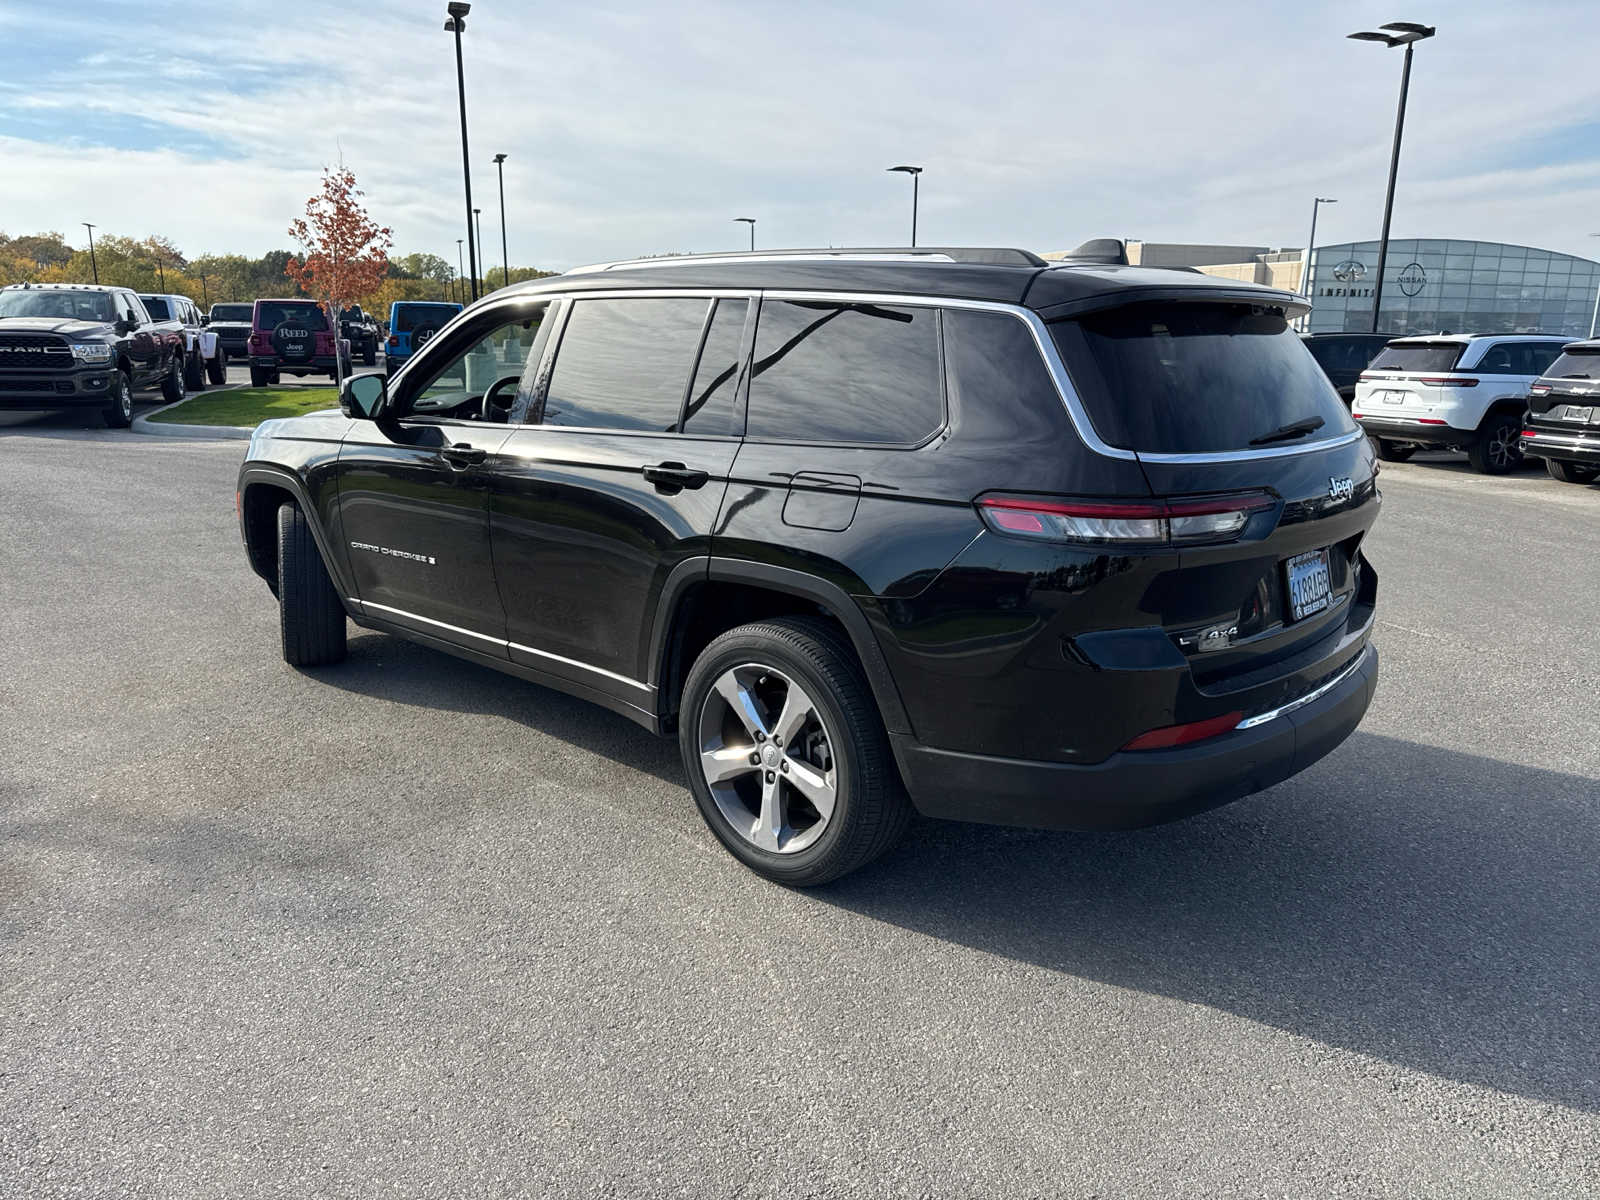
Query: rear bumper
{"type": "Point", "coordinates": [1134, 789]}
{"type": "Point", "coordinates": [56, 389]}
{"type": "Point", "coordinates": [1406, 429]}
{"type": "Point", "coordinates": [271, 362]}
{"type": "Point", "coordinates": [1563, 447]}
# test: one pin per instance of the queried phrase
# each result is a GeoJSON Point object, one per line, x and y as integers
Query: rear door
{"type": "Point", "coordinates": [1224, 401]}
{"type": "Point", "coordinates": [614, 477]}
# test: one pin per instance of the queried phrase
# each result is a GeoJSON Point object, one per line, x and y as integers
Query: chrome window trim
{"type": "Point", "coordinates": [1315, 694]}
{"type": "Point", "coordinates": [502, 642]}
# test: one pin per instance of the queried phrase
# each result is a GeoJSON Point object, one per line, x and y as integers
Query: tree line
{"type": "Point", "coordinates": [155, 264]}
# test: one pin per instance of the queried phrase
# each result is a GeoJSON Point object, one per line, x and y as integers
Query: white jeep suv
{"type": "Point", "coordinates": [1453, 391]}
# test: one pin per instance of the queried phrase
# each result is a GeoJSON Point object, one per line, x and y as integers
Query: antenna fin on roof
{"type": "Point", "coordinates": [1100, 250]}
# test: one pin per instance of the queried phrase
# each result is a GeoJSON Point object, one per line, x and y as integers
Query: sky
{"type": "Point", "coordinates": [643, 128]}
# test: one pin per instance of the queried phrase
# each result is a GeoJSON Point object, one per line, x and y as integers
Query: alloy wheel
{"type": "Point", "coordinates": [767, 756]}
{"type": "Point", "coordinates": [1504, 445]}
{"type": "Point", "coordinates": [124, 398]}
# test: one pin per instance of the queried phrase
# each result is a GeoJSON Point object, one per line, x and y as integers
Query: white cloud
{"type": "Point", "coordinates": [635, 128]}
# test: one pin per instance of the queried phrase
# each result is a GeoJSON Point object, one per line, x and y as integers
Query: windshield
{"type": "Point", "coordinates": [1575, 364]}
{"type": "Point", "coordinates": [410, 317]}
{"type": "Point", "coordinates": [1418, 357]}
{"type": "Point", "coordinates": [275, 312]}
{"type": "Point", "coordinates": [73, 305]}
{"type": "Point", "coordinates": [157, 308]}
{"type": "Point", "coordinates": [230, 312]}
{"type": "Point", "coordinates": [1197, 378]}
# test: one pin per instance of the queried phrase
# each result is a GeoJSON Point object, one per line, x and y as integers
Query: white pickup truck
{"type": "Point", "coordinates": [203, 354]}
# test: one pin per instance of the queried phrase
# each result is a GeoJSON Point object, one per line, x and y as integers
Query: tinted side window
{"type": "Point", "coordinates": [711, 409]}
{"type": "Point", "coordinates": [624, 364]}
{"type": "Point", "coordinates": [1499, 360]}
{"type": "Point", "coordinates": [829, 372]}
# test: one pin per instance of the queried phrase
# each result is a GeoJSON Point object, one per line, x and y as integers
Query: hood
{"type": "Point", "coordinates": [63, 325]}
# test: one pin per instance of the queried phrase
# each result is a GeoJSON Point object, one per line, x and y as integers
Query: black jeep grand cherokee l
{"type": "Point", "coordinates": [1073, 546]}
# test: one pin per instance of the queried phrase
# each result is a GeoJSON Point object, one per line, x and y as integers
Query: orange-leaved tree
{"type": "Point", "coordinates": [345, 254]}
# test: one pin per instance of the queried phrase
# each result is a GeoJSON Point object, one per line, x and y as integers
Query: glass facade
{"type": "Point", "coordinates": [1432, 285]}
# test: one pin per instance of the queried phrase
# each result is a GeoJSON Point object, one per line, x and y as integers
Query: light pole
{"type": "Point", "coordinates": [461, 269]}
{"type": "Point", "coordinates": [750, 221]}
{"type": "Point", "coordinates": [1311, 242]}
{"type": "Point", "coordinates": [455, 23]}
{"type": "Point", "coordinates": [477, 231]}
{"type": "Point", "coordinates": [505, 259]}
{"type": "Point", "coordinates": [1595, 316]}
{"type": "Point", "coordinates": [915, 173]}
{"type": "Point", "coordinates": [1407, 34]}
{"type": "Point", "coordinates": [93, 266]}
{"type": "Point", "coordinates": [205, 296]}
{"type": "Point", "coordinates": [160, 274]}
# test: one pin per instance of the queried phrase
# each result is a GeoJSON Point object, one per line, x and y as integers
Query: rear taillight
{"type": "Point", "coordinates": [393, 340]}
{"type": "Point", "coordinates": [1133, 523]}
{"type": "Point", "coordinates": [1181, 735]}
{"type": "Point", "coordinates": [1540, 389]}
{"type": "Point", "coordinates": [1528, 433]}
{"type": "Point", "coordinates": [1448, 381]}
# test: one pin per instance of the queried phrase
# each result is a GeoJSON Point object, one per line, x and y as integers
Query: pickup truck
{"type": "Point", "coordinates": [203, 355]}
{"type": "Point", "coordinates": [76, 345]}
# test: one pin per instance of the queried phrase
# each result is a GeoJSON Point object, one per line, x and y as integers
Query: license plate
{"type": "Point", "coordinates": [1394, 397]}
{"type": "Point", "coordinates": [1310, 585]}
{"type": "Point", "coordinates": [1574, 413]}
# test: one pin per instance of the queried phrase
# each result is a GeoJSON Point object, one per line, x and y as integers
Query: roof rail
{"type": "Point", "coordinates": [987, 255]}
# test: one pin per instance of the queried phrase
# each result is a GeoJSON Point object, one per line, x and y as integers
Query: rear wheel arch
{"type": "Point", "coordinates": [704, 599]}
{"type": "Point", "coordinates": [1504, 406]}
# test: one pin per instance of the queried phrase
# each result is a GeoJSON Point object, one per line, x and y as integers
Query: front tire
{"type": "Point", "coordinates": [172, 389]}
{"type": "Point", "coordinates": [1498, 446]}
{"type": "Point", "coordinates": [369, 355]}
{"type": "Point", "coordinates": [118, 414]}
{"type": "Point", "coordinates": [217, 368]}
{"type": "Point", "coordinates": [310, 615]}
{"type": "Point", "coordinates": [1388, 451]}
{"type": "Point", "coordinates": [1571, 472]}
{"type": "Point", "coordinates": [786, 755]}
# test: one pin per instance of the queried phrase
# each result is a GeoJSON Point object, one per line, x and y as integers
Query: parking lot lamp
{"type": "Point", "coordinates": [477, 232]}
{"type": "Point", "coordinates": [93, 266]}
{"type": "Point", "coordinates": [1407, 34]}
{"type": "Point", "coordinates": [455, 23]}
{"type": "Point", "coordinates": [750, 221]}
{"type": "Point", "coordinates": [916, 174]}
{"type": "Point", "coordinates": [1305, 259]}
{"type": "Point", "coordinates": [205, 296]}
{"type": "Point", "coordinates": [461, 270]}
{"type": "Point", "coordinates": [505, 259]}
{"type": "Point", "coordinates": [1594, 317]}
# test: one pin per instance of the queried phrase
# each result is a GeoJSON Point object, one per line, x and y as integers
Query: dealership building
{"type": "Point", "coordinates": [1431, 285]}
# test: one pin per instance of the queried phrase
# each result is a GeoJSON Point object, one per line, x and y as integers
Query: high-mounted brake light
{"type": "Point", "coordinates": [1448, 381]}
{"type": "Point", "coordinates": [1136, 523]}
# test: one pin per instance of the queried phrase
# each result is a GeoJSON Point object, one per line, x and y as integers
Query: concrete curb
{"type": "Point", "coordinates": [143, 424]}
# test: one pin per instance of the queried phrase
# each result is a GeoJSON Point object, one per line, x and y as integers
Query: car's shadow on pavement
{"type": "Point", "coordinates": [1429, 908]}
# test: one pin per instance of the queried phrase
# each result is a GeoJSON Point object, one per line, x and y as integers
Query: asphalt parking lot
{"type": "Point", "coordinates": [407, 926]}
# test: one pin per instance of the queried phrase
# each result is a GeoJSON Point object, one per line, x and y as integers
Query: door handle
{"type": "Point", "coordinates": [674, 476]}
{"type": "Point", "coordinates": [462, 454]}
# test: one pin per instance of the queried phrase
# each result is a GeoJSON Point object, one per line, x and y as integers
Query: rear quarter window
{"type": "Point", "coordinates": [826, 371]}
{"type": "Point", "coordinates": [1196, 378]}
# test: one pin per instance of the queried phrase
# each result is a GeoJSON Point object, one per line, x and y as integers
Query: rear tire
{"type": "Point", "coordinates": [1498, 447]}
{"type": "Point", "coordinates": [1388, 451]}
{"type": "Point", "coordinates": [369, 355]}
{"type": "Point", "coordinates": [118, 414]}
{"type": "Point", "coordinates": [1571, 472]}
{"type": "Point", "coordinates": [310, 615]}
{"type": "Point", "coordinates": [258, 376]}
{"type": "Point", "coordinates": [836, 745]}
{"type": "Point", "coordinates": [172, 389]}
{"type": "Point", "coordinates": [217, 367]}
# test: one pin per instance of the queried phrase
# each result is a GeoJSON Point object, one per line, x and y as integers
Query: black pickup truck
{"type": "Point", "coordinates": [73, 345]}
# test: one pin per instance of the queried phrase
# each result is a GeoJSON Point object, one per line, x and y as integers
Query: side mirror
{"type": "Point", "coordinates": [364, 397]}
{"type": "Point", "coordinates": [124, 325]}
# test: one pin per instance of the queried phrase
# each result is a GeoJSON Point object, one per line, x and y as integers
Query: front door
{"type": "Point", "coordinates": [614, 478]}
{"type": "Point", "coordinates": [414, 486]}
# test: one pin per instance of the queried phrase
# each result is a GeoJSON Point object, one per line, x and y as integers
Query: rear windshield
{"type": "Point", "coordinates": [410, 317]}
{"type": "Point", "coordinates": [276, 312]}
{"type": "Point", "coordinates": [157, 308]}
{"type": "Point", "coordinates": [1425, 356]}
{"type": "Point", "coordinates": [230, 312]}
{"type": "Point", "coordinates": [1575, 364]}
{"type": "Point", "coordinates": [1197, 378]}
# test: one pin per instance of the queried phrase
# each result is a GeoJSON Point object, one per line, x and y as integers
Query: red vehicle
{"type": "Point", "coordinates": [293, 337]}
